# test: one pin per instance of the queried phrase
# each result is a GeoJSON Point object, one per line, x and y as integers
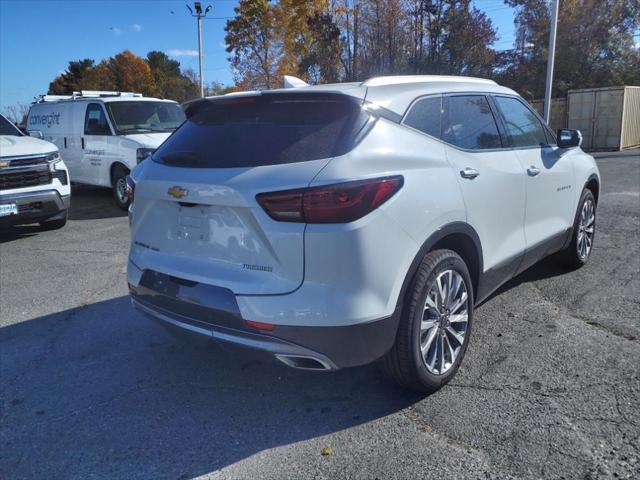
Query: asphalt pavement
{"type": "Point", "coordinates": [89, 388]}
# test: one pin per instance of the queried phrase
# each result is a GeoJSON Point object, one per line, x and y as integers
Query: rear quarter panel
{"type": "Point", "coordinates": [368, 260]}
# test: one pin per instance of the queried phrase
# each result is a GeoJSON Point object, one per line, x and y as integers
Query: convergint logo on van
{"type": "Point", "coordinates": [48, 120]}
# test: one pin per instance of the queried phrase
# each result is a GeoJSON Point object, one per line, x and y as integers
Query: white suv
{"type": "Point", "coordinates": [34, 181]}
{"type": "Point", "coordinates": [334, 225]}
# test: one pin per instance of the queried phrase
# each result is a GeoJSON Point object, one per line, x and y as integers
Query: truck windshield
{"type": "Point", "coordinates": [145, 117]}
{"type": "Point", "coordinates": [7, 128]}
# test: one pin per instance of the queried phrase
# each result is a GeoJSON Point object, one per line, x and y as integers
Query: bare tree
{"type": "Point", "coordinates": [17, 113]}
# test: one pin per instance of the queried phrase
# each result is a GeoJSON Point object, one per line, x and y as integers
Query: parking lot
{"type": "Point", "coordinates": [549, 388]}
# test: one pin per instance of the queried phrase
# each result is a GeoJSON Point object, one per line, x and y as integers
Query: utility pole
{"type": "Point", "coordinates": [197, 6]}
{"type": "Point", "coordinates": [551, 54]}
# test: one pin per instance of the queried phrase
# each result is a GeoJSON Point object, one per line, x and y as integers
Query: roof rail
{"type": "Point", "coordinates": [98, 93]}
{"type": "Point", "coordinates": [85, 94]}
{"type": "Point", "coordinates": [400, 79]}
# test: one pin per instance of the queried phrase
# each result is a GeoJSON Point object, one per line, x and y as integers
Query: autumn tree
{"type": "Point", "coordinates": [466, 43]}
{"type": "Point", "coordinates": [595, 46]}
{"type": "Point", "coordinates": [321, 61]}
{"type": "Point", "coordinates": [168, 81]}
{"type": "Point", "coordinates": [101, 77]}
{"type": "Point", "coordinates": [254, 45]}
{"type": "Point", "coordinates": [132, 73]}
{"type": "Point", "coordinates": [156, 75]}
{"type": "Point", "coordinates": [293, 33]}
{"type": "Point", "coordinates": [70, 80]}
{"type": "Point", "coordinates": [347, 18]}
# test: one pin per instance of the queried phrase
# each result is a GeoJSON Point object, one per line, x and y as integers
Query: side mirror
{"type": "Point", "coordinates": [36, 134]}
{"type": "Point", "coordinates": [568, 138]}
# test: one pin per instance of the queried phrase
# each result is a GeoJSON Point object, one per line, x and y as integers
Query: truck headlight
{"type": "Point", "coordinates": [143, 153]}
{"type": "Point", "coordinates": [53, 158]}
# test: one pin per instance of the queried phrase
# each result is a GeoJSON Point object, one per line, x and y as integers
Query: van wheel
{"type": "Point", "coordinates": [120, 187]}
{"type": "Point", "coordinates": [54, 224]}
{"type": "Point", "coordinates": [435, 325]}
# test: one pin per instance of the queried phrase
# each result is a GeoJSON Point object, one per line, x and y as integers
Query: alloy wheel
{"type": "Point", "coordinates": [444, 322]}
{"type": "Point", "coordinates": [586, 229]}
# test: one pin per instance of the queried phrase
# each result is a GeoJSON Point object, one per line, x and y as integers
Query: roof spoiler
{"type": "Point", "coordinates": [294, 82]}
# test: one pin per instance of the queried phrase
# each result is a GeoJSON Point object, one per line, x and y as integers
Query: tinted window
{"type": "Point", "coordinates": [425, 116]}
{"type": "Point", "coordinates": [95, 121]}
{"type": "Point", "coordinates": [268, 129]}
{"type": "Point", "coordinates": [468, 123]}
{"type": "Point", "coordinates": [522, 125]}
{"type": "Point", "coordinates": [7, 128]}
{"type": "Point", "coordinates": [145, 116]}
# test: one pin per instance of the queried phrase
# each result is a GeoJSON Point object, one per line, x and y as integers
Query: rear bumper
{"type": "Point", "coordinates": [35, 206]}
{"type": "Point", "coordinates": [213, 312]}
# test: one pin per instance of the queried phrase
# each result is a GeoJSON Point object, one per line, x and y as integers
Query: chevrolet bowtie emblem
{"type": "Point", "coordinates": [177, 192]}
{"type": "Point", "coordinates": [3, 164]}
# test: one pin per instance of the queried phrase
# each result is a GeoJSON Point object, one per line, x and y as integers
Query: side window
{"type": "Point", "coordinates": [95, 121]}
{"type": "Point", "coordinates": [468, 123]}
{"type": "Point", "coordinates": [522, 125]}
{"type": "Point", "coordinates": [425, 115]}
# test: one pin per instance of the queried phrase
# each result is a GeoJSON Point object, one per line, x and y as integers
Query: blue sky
{"type": "Point", "coordinates": [38, 38]}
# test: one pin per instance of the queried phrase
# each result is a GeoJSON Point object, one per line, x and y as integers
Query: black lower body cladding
{"type": "Point", "coordinates": [213, 311]}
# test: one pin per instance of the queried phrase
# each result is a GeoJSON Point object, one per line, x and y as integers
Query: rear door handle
{"type": "Point", "coordinates": [469, 173]}
{"type": "Point", "coordinates": [533, 171]}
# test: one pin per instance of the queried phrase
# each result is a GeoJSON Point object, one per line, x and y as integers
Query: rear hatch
{"type": "Point", "coordinates": [195, 215]}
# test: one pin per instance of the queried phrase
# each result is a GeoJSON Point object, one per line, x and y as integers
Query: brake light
{"type": "Point", "coordinates": [131, 188]}
{"type": "Point", "coordinates": [267, 327]}
{"type": "Point", "coordinates": [338, 203]}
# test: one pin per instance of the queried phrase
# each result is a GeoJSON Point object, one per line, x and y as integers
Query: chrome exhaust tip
{"type": "Point", "coordinates": [304, 362]}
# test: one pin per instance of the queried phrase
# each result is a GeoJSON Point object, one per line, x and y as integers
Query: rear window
{"type": "Point", "coordinates": [468, 123]}
{"type": "Point", "coordinates": [269, 129]}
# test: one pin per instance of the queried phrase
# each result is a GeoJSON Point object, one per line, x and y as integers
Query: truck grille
{"type": "Point", "coordinates": [28, 162]}
{"type": "Point", "coordinates": [21, 179]}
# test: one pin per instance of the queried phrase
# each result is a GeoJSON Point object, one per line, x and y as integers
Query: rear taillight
{"type": "Point", "coordinates": [131, 188]}
{"type": "Point", "coordinates": [338, 203]}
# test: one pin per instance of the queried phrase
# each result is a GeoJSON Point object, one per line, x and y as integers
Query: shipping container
{"type": "Point", "coordinates": [558, 117]}
{"type": "Point", "coordinates": [609, 118]}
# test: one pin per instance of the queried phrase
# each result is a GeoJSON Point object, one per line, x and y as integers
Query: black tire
{"type": "Point", "coordinates": [120, 182]}
{"type": "Point", "coordinates": [404, 363]}
{"type": "Point", "coordinates": [571, 256]}
{"type": "Point", "coordinates": [54, 224]}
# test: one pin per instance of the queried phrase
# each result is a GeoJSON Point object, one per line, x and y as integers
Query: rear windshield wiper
{"type": "Point", "coordinates": [182, 159]}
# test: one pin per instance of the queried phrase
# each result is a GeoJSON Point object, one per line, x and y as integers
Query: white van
{"type": "Point", "coordinates": [103, 135]}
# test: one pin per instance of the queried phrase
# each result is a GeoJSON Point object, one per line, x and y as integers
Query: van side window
{"type": "Point", "coordinates": [522, 125]}
{"type": "Point", "coordinates": [95, 121]}
{"type": "Point", "coordinates": [425, 115]}
{"type": "Point", "coordinates": [468, 123]}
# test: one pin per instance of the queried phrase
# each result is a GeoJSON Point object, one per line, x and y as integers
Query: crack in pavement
{"type": "Point", "coordinates": [591, 323]}
{"type": "Point", "coordinates": [415, 418]}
